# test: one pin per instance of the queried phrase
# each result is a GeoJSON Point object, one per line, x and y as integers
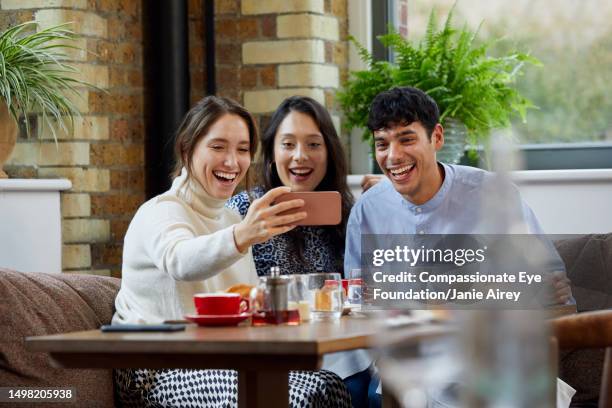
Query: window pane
{"type": "Point", "coordinates": [573, 39]}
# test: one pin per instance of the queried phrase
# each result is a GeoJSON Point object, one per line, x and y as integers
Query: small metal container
{"type": "Point", "coordinates": [270, 300]}
{"type": "Point", "coordinates": [276, 293]}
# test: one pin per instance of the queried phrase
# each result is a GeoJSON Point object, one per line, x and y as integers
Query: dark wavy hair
{"type": "Point", "coordinates": [335, 174]}
{"type": "Point", "coordinates": [199, 120]}
{"type": "Point", "coordinates": [403, 105]}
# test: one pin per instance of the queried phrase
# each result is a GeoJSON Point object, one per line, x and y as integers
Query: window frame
{"type": "Point", "coordinates": [561, 156]}
{"type": "Point", "coordinates": [544, 156]}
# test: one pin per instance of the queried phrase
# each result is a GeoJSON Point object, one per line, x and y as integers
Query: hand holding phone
{"type": "Point", "coordinates": [321, 207]}
{"type": "Point", "coordinates": [263, 220]}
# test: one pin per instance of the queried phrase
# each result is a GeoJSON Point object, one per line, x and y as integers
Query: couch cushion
{"type": "Point", "coordinates": [588, 262]}
{"type": "Point", "coordinates": [39, 303]}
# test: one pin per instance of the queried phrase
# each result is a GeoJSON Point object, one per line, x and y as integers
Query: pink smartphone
{"type": "Point", "coordinates": [322, 207]}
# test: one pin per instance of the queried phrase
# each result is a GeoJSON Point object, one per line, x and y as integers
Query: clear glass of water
{"type": "Point", "coordinates": [299, 296]}
{"type": "Point", "coordinates": [324, 295]}
{"type": "Point", "coordinates": [423, 374]}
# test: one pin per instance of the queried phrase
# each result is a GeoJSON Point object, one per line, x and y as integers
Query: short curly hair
{"type": "Point", "coordinates": [403, 105]}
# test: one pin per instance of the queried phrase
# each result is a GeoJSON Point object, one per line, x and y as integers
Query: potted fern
{"type": "Point", "coordinates": [33, 79]}
{"type": "Point", "coordinates": [474, 90]}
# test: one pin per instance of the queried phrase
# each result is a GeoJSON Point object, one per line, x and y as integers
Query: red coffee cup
{"type": "Point", "coordinates": [220, 303]}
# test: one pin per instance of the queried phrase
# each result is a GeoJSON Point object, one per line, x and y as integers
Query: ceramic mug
{"type": "Point", "coordinates": [220, 303]}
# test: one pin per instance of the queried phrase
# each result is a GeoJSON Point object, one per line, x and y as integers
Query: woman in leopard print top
{"type": "Point", "coordinates": [301, 149]}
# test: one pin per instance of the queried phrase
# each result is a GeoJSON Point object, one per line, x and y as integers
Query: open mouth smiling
{"type": "Point", "coordinates": [301, 172]}
{"type": "Point", "coordinates": [399, 173]}
{"type": "Point", "coordinates": [225, 177]}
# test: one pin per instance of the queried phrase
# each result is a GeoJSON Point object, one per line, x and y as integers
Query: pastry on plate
{"type": "Point", "coordinates": [242, 289]}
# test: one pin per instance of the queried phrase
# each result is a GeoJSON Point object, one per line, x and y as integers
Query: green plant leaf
{"type": "Point", "coordinates": [34, 77]}
{"type": "Point", "coordinates": [468, 84]}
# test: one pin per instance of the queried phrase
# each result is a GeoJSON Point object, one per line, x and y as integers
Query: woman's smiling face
{"type": "Point", "coordinates": [300, 153]}
{"type": "Point", "coordinates": [221, 158]}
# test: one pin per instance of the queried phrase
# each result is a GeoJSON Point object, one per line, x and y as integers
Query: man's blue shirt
{"type": "Point", "coordinates": [457, 208]}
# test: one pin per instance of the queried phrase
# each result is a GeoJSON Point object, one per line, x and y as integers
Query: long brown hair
{"type": "Point", "coordinates": [335, 174]}
{"type": "Point", "coordinates": [198, 121]}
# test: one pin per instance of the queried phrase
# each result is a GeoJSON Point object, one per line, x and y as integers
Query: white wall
{"type": "Point", "coordinates": [569, 201]}
{"type": "Point", "coordinates": [30, 223]}
{"type": "Point", "coordinates": [565, 201]}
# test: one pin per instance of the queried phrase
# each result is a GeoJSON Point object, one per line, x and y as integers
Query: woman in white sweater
{"type": "Point", "coordinates": [185, 241]}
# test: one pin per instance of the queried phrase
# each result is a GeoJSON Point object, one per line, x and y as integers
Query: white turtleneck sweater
{"type": "Point", "coordinates": [178, 244]}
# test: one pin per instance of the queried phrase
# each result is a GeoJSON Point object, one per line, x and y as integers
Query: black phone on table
{"type": "Point", "coordinates": [142, 327]}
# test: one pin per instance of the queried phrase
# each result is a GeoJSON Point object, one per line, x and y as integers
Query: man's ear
{"type": "Point", "coordinates": [437, 137]}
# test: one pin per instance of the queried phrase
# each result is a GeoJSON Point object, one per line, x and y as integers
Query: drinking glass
{"type": "Point", "coordinates": [299, 296]}
{"type": "Point", "coordinates": [424, 373]}
{"type": "Point", "coordinates": [324, 294]}
{"type": "Point", "coordinates": [355, 284]}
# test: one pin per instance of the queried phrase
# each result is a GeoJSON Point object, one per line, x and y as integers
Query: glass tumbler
{"type": "Point", "coordinates": [355, 284]}
{"type": "Point", "coordinates": [324, 294]}
{"type": "Point", "coordinates": [299, 296]}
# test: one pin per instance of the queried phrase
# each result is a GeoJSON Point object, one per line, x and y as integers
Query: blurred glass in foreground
{"type": "Point", "coordinates": [492, 358]}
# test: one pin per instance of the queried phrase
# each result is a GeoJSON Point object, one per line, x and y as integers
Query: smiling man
{"type": "Point", "coordinates": [420, 195]}
{"type": "Point", "coordinates": [406, 145]}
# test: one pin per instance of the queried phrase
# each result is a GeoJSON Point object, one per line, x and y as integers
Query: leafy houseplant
{"type": "Point", "coordinates": [33, 79]}
{"type": "Point", "coordinates": [473, 90]}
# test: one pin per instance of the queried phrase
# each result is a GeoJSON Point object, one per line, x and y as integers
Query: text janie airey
{"type": "Point", "coordinates": [452, 293]}
{"type": "Point", "coordinates": [449, 295]}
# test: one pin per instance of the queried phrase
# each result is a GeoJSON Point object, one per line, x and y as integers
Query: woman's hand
{"type": "Point", "coordinates": [262, 221]}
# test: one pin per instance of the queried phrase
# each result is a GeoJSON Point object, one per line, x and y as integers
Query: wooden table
{"type": "Point", "coordinates": [561, 310]}
{"type": "Point", "coordinates": [263, 356]}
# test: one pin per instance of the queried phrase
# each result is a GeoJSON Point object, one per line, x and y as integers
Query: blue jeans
{"type": "Point", "coordinates": [362, 387]}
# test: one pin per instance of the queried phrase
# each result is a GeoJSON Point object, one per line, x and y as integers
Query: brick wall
{"type": "Point", "coordinates": [197, 75]}
{"type": "Point", "coordinates": [104, 158]}
{"type": "Point", "coordinates": [265, 51]}
{"type": "Point", "coordinates": [268, 50]}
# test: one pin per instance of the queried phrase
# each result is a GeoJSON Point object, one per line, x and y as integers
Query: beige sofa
{"type": "Point", "coordinates": [34, 304]}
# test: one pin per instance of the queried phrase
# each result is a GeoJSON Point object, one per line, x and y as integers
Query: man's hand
{"type": "Point", "coordinates": [561, 288]}
{"type": "Point", "coordinates": [560, 291]}
{"type": "Point", "coordinates": [369, 180]}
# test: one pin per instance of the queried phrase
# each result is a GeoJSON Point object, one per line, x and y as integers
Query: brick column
{"type": "Point", "coordinates": [268, 50]}
{"type": "Point", "coordinates": [302, 52]}
{"type": "Point", "coordinates": [104, 157]}
{"type": "Point", "coordinates": [197, 65]}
